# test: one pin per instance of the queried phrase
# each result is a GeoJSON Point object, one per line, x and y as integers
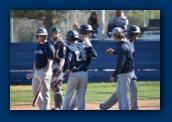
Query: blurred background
{"type": "Point", "coordinates": [24, 23]}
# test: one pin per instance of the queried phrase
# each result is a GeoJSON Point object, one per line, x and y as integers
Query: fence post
{"type": "Point", "coordinates": [151, 14]}
{"type": "Point", "coordinates": [67, 21]}
{"type": "Point", "coordinates": [145, 18]}
{"type": "Point", "coordinates": [12, 30]}
{"type": "Point", "coordinates": [101, 29]}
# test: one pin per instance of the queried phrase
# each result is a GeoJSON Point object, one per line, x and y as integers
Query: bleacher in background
{"type": "Point", "coordinates": [147, 61]}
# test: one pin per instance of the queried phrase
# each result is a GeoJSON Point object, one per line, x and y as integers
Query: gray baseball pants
{"type": "Point", "coordinates": [113, 99]}
{"type": "Point", "coordinates": [44, 99]}
{"type": "Point", "coordinates": [76, 81]}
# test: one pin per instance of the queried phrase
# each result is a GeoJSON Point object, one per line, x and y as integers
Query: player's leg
{"type": "Point", "coordinates": [35, 86]}
{"type": "Point", "coordinates": [118, 92]}
{"type": "Point", "coordinates": [81, 90]}
{"type": "Point", "coordinates": [73, 103]}
{"type": "Point", "coordinates": [113, 99]}
{"type": "Point", "coordinates": [71, 86]}
{"type": "Point", "coordinates": [57, 92]}
{"type": "Point", "coordinates": [45, 89]}
{"type": "Point", "coordinates": [133, 95]}
{"type": "Point", "coordinates": [124, 83]}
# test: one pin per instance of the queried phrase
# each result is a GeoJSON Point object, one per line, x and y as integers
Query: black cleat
{"type": "Point", "coordinates": [55, 109]}
{"type": "Point", "coordinates": [101, 108]}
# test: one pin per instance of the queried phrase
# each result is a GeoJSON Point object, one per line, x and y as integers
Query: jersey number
{"type": "Point", "coordinates": [80, 56]}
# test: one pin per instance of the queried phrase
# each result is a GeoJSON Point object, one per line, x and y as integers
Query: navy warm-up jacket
{"type": "Point", "coordinates": [125, 61]}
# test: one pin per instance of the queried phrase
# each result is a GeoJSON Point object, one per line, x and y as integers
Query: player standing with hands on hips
{"type": "Point", "coordinates": [60, 55]}
{"type": "Point", "coordinates": [44, 55]}
{"type": "Point", "coordinates": [78, 79]}
{"type": "Point", "coordinates": [124, 68]}
{"type": "Point", "coordinates": [132, 34]}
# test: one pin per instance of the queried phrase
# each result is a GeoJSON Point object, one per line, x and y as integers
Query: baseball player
{"type": "Point", "coordinates": [60, 54]}
{"type": "Point", "coordinates": [79, 77]}
{"type": "Point", "coordinates": [132, 34]}
{"type": "Point", "coordinates": [85, 33]}
{"type": "Point", "coordinates": [44, 55]}
{"type": "Point", "coordinates": [124, 68]}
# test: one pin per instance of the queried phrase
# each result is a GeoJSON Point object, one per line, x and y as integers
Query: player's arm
{"type": "Point", "coordinates": [91, 52]}
{"type": "Point", "coordinates": [61, 64]}
{"type": "Point", "coordinates": [49, 65]}
{"type": "Point", "coordinates": [50, 53]}
{"type": "Point", "coordinates": [62, 58]}
{"type": "Point", "coordinates": [68, 60]}
{"type": "Point", "coordinates": [120, 62]}
{"type": "Point", "coordinates": [34, 67]}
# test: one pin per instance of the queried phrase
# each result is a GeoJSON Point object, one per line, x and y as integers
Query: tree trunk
{"type": "Point", "coordinates": [48, 21]}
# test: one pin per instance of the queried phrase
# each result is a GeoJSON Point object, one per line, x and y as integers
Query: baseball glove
{"type": "Point", "coordinates": [56, 72]}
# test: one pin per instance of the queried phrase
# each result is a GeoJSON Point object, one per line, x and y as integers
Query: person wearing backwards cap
{"type": "Point", "coordinates": [132, 34]}
{"type": "Point", "coordinates": [124, 69]}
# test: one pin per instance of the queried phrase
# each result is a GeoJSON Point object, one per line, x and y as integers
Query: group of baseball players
{"type": "Point", "coordinates": [53, 58]}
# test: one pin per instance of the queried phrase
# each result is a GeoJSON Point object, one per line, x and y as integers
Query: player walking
{"type": "Point", "coordinates": [60, 54]}
{"type": "Point", "coordinates": [124, 68]}
{"type": "Point", "coordinates": [44, 55]}
{"type": "Point", "coordinates": [79, 77]}
{"type": "Point", "coordinates": [132, 34]}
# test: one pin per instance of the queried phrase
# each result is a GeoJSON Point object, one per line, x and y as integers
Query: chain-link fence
{"type": "Point", "coordinates": [24, 23]}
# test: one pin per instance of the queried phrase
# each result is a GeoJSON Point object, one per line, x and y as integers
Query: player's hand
{"type": "Point", "coordinates": [112, 79]}
{"type": "Point", "coordinates": [110, 51]}
{"type": "Point", "coordinates": [60, 38]}
{"type": "Point", "coordinates": [29, 76]}
{"type": "Point", "coordinates": [88, 43]}
{"type": "Point", "coordinates": [58, 71]}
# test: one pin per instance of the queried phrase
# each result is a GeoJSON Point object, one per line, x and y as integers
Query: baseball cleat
{"type": "Point", "coordinates": [55, 109]}
{"type": "Point", "coordinates": [101, 108]}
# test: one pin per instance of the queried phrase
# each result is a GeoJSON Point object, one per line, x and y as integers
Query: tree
{"type": "Point", "coordinates": [48, 17]}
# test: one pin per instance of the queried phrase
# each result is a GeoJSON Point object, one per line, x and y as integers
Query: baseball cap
{"type": "Point", "coordinates": [134, 29]}
{"type": "Point", "coordinates": [117, 31]}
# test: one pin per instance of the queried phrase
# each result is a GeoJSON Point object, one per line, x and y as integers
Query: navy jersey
{"type": "Point", "coordinates": [88, 57]}
{"type": "Point", "coordinates": [60, 51]}
{"type": "Point", "coordinates": [42, 53]}
{"type": "Point", "coordinates": [78, 54]}
{"type": "Point", "coordinates": [65, 67]}
{"type": "Point", "coordinates": [125, 61]}
{"type": "Point", "coordinates": [132, 48]}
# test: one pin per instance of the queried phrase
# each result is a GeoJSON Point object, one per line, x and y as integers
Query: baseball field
{"type": "Point", "coordinates": [21, 97]}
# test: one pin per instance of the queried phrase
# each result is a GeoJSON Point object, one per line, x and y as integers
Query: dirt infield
{"type": "Point", "coordinates": [143, 105]}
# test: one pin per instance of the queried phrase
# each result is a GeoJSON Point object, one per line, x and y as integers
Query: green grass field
{"type": "Point", "coordinates": [96, 92]}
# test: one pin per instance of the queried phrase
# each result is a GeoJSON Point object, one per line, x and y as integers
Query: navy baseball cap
{"type": "Point", "coordinates": [117, 31]}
